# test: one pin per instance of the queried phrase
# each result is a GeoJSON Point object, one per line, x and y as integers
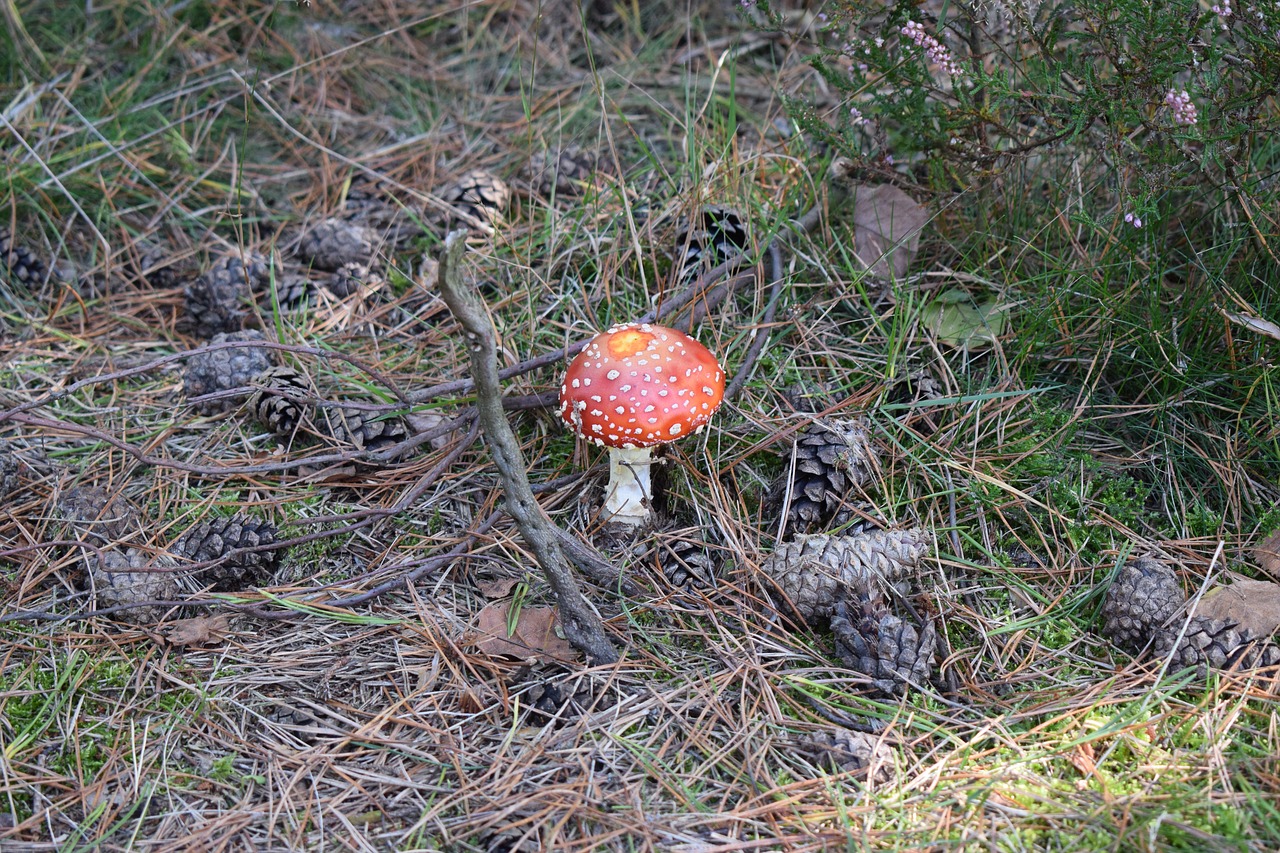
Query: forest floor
{"type": "Point", "coordinates": [391, 679]}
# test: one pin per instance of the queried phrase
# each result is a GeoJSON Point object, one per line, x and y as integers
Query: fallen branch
{"type": "Point", "coordinates": [582, 626]}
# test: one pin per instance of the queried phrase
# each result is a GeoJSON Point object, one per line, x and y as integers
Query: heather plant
{"type": "Point", "coordinates": [1157, 100]}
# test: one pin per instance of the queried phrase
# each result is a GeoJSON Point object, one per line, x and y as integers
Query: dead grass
{"type": "Point", "coordinates": [344, 708]}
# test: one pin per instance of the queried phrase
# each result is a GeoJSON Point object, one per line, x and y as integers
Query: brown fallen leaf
{"type": "Point", "coordinates": [199, 631]}
{"type": "Point", "coordinates": [1267, 553]}
{"type": "Point", "coordinates": [1253, 605]}
{"type": "Point", "coordinates": [496, 588]}
{"type": "Point", "coordinates": [887, 224]}
{"type": "Point", "coordinates": [534, 636]}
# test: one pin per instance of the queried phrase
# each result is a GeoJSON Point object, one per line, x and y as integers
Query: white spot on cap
{"type": "Point", "coordinates": [676, 428]}
{"type": "Point", "coordinates": [575, 383]}
{"type": "Point", "coordinates": [612, 375]}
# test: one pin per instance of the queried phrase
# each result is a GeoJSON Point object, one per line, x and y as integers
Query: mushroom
{"type": "Point", "coordinates": [633, 388]}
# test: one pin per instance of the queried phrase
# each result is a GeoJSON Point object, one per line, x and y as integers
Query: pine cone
{"type": "Point", "coordinates": [480, 194]}
{"type": "Point", "coordinates": [116, 580]}
{"type": "Point", "coordinates": [877, 643]}
{"type": "Point", "coordinates": [685, 560]}
{"type": "Point", "coordinates": [844, 751]}
{"type": "Point", "coordinates": [8, 474]}
{"type": "Point", "coordinates": [361, 429]}
{"type": "Point", "coordinates": [21, 264]}
{"type": "Point", "coordinates": [282, 401]}
{"type": "Point", "coordinates": [209, 371]}
{"type": "Point", "coordinates": [831, 459]}
{"type": "Point", "coordinates": [561, 171]}
{"type": "Point", "coordinates": [334, 243]}
{"type": "Point", "coordinates": [349, 278]}
{"type": "Point", "coordinates": [223, 539]}
{"type": "Point", "coordinates": [155, 264]}
{"type": "Point", "coordinates": [1143, 600]}
{"type": "Point", "coordinates": [813, 570]}
{"type": "Point", "coordinates": [713, 236]}
{"type": "Point", "coordinates": [99, 518]}
{"type": "Point", "coordinates": [1213, 644]}
{"type": "Point", "coordinates": [219, 300]}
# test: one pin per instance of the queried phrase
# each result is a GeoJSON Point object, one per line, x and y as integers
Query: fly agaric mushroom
{"type": "Point", "coordinates": [633, 388]}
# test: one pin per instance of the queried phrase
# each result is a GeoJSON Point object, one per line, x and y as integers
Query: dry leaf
{"type": "Point", "coordinates": [1267, 553]}
{"type": "Point", "coordinates": [1253, 605]}
{"type": "Point", "coordinates": [1255, 324]}
{"type": "Point", "coordinates": [496, 588]}
{"type": "Point", "coordinates": [887, 224]}
{"type": "Point", "coordinates": [200, 631]}
{"type": "Point", "coordinates": [534, 635]}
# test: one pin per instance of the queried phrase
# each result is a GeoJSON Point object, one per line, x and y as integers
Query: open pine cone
{"type": "Point", "coordinates": [875, 642]}
{"type": "Point", "coordinates": [710, 237]}
{"type": "Point", "coordinates": [230, 541]}
{"type": "Point", "coordinates": [209, 371]}
{"type": "Point", "coordinates": [333, 243]}
{"type": "Point", "coordinates": [479, 194]}
{"type": "Point", "coordinates": [1146, 605]}
{"type": "Point", "coordinates": [129, 577]}
{"type": "Point", "coordinates": [813, 572]}
{"type": "Point", "coordinates": [282, 401]}
{"type": "Point", "coordinates": [22, 265]}
{"type": "Point", "coordinates": [220, 299]}
{"type": "Point", "coordinates": [831, 458]}
{"type": "Point", "coordinates": [561, 170]}
{"type": "Point", "coordinates": [360, 428]}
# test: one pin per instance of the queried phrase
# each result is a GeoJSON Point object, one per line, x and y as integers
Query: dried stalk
{"type": "Point", "coordinates": [582, 626]}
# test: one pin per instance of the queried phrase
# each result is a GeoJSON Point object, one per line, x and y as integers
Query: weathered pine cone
{"type": "Point", "coordinates": [155, 264]}
{"type": "Point", "coordinates": [879, 644]}
{"type": "Point", "coordinates": [1142, 601]}
{"type": "Point", "coordinates": [333, 243]}
{"type": "Point", "coordinates": [283, 399]}
{"type": "Point", "coordinates": [8, 473]}
{"type": "Point", "coordinates": [812, 572]}
{"type": "Point", "coordinates": [685, 560]}
{"type": "Point", "coordinates": [361, 429]}
{"type": "Point", "coordinates": [481, 195]}
{"type": "Point", "coordinates": [712, 236]}
{"type": "Point", "coordinates": [1146, 604]}
{"type": "Point", "coordinates": [120, 578]}
{"type": "Point", "coordinates": [831, 458]}
{"type": "Point", "coordinates": [561, 170]}
{"type": "Point", "coordinates": [1213, 644]}
{"type": "Point", "coordinates": [100, 518]}
{"type": "Point", "coordinates": [209, 371]}
{"type": "Point", "coordinates": [21, 264]}
{"type": "Point", "coordinates": [230, 541]}
{"type": "Point", "coordinates": [219, 300]}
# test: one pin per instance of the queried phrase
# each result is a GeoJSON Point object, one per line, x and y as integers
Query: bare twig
{"type": "Point", "coordinates": [582, 626]}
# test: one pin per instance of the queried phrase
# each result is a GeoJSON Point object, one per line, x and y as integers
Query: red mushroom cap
{"type": "Point", "coordinates": [639, 385]}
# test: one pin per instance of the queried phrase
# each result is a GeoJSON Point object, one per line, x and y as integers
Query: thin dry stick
{"type": "Point", "coordinates": [582, 627]}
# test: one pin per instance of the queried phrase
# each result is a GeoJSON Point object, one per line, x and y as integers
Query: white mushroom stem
{"type": "Point", "coordinates": [629, 494]}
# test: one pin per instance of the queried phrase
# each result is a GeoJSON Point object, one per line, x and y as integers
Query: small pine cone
{"type": "Point", "coordinates": [873, 641]}
{"type": "Point", "coordinates": [100, 518]}
{"type": "Point", "coordinates": [283, 399]}
{"type": "Point", "coordinates": [831, 459]}
{"type": "Point", "coordinates": [224, 539]}
{"type": "Point", "coordinates": [713, 236]}
{"type": "Point", "coordinates": [219, 300]}
{"type": "Point", "coordinates": [360, 428]}
{"type": "Point", "coordinates": [209, 371]}
{"type": "Point", "coordinates": [1142, 601]}
{"type": "Point", "coordinates": [8, 474]}
{"type": "Point", "coordinates": [812, 570]}
{"type": "Point", "coordinates": [122, 578]}
{"type": "Point", "coordinates": [1213, 644]}
{"type": "Point", "coordinates": [561, 171]}
{"type": "Point", "coordinates": [288, 290]}
{"type": "Point", "coordinates": [334, 243]}
{"type": "Point", "coordinates": [686, 561]}
{"type": "Point", "coordinates": [843, 751]}
{"type": "Point", "coordinates": [479, 194]}
{"type": "Point", "coordinates": [155, 264]}
{"type": "Point", "coordinates": [348, 279]}
{"type": "Point", "coordinates": [21, 264]}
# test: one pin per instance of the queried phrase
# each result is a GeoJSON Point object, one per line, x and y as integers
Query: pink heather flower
{"type": "Point", "coordinates": [1222, 9]}
{"type": "Point", "coordinates": [1133, 220]}
{"type": "Point", "coordinates": [935, 50]}
{"type": "Point", "coordinates": [856, 116]}
{"type": "Point", "coordinates": [1184, 112]}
